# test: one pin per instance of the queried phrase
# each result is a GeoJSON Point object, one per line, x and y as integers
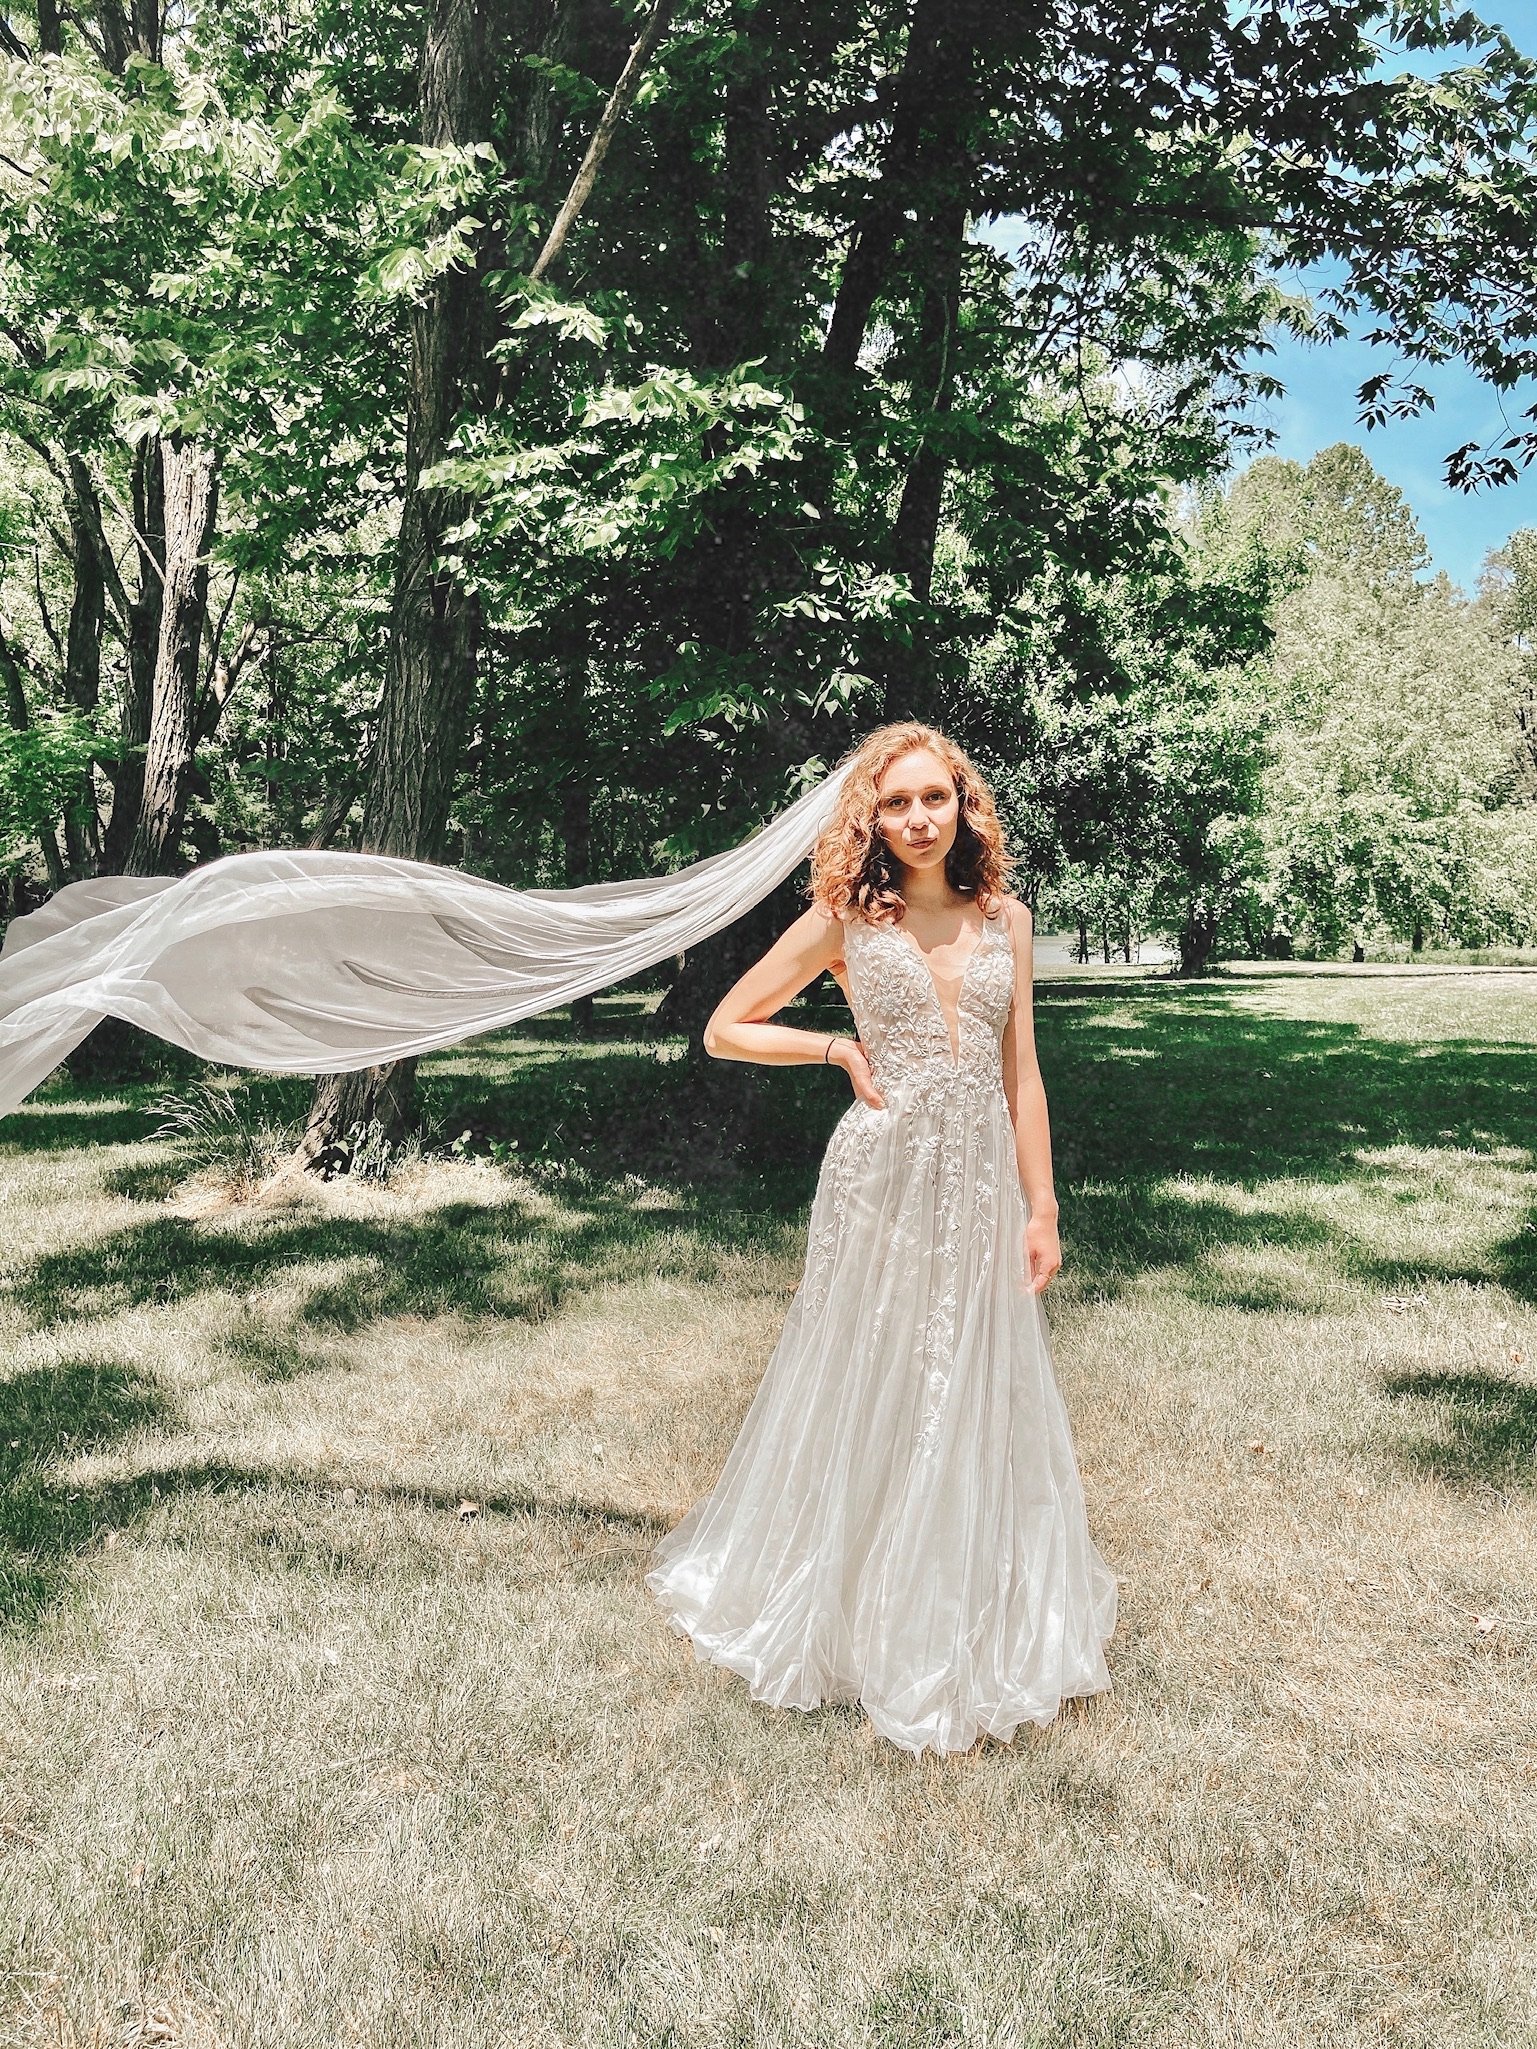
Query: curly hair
{"type": "Point", "coordinates": [851, 867]}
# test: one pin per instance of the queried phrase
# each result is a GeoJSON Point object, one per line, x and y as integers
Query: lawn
{"type": "Point", "coordinates": [333, 1710]}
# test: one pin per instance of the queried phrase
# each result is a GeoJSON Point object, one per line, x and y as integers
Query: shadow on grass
{"type": "Point", "coordinates": [1151, 1083]}
{"type": "Point", "coordinates": [55, 1124]}
{"type": "Point", "coordinates": [1485, 1427]}
{"type": "Point", "coordinates": [498, 1262]}
{"type": "Point", "coordinates": [48, 1414]}
{"type": "Point", "coordinates": [53, 1414]}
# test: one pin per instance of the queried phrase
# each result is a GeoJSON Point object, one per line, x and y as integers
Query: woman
{"type": "Point", "coordinates": [900, 1521]}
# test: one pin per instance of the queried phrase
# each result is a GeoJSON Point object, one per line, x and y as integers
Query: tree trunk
{"type": "Point", "coordinates": [191, 506]}
{"type": "Point", "coordinates": [746, 194]}
{"type": "Point", "coordinates": [1197, 943]}
{"type": "Point", "coordinates": [429, 678]}
{"type": "Point", "coordinates": [134, 30]}
{"type": "Point", "coordinates": [144, 611]}
{"type": "Point", "coordinates": [867, 267]}
{"type": "Point", "coordinates": [434, 626]}
{"type": "Point", "coordinates": [82, 655]}
{"type": "Point", "coordinates": [576, 831]}
{"type": "Point", "coordinates": [710, 968]}
{"type": "Point", "coordinates": [911, 678]}
{"type": "Point", "coordinates": [20, 719]}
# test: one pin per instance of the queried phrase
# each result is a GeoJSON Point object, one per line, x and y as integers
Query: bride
{"type": "Point", "coordinates": [900, 1521]}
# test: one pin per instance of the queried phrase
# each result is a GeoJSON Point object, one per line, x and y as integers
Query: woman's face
{"type": "Point", "coordinates": [917, 811]}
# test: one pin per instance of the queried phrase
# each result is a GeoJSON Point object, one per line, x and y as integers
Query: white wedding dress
{"type": "Point", "coordinates": [900, 1520]}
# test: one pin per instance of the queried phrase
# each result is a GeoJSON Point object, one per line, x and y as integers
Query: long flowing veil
{"type": "Point", "coordinates": [306, 962]}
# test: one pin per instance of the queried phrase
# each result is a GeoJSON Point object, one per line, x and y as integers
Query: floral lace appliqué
{"type": "Point", "coordinates": [933, 1096]}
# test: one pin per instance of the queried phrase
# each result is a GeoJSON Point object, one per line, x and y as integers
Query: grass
{"type": "Point", "coordinates": [333, 1711]}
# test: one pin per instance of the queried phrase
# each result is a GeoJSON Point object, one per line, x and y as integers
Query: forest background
{"type": "Point", "coordinates": [901, 359]}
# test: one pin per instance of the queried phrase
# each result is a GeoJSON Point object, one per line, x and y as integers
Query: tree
{"type": "Point", "coordinates": [882, 320]}
{"type": "Point", "coordinates": [1508, 592]}
{"type": "Point", "coordinates": [1396, 745]}
{"type": "Point", "coordinates": [188, 292]}
{"type": "Point", "coordinates": [435, 624]}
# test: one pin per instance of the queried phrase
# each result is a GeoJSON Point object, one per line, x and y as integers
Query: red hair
{"type": "Point", "coordinates": [851, 867]}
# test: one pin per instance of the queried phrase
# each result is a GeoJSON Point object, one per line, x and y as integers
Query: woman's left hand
{"type": "Point", "coordinates": [1043, 1252]}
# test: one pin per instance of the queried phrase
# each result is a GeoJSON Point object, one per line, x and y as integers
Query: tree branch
{"type": "Point", "coordinates": [145, 550]}
{"type": "Point", "coordinates": [217, 641]}
{"type": "Point", "coordinates": [42, 604]}
{"type": "Point", "coordinates": [220, 687]}
{"type": "Point", "coordinates": [619, 101]}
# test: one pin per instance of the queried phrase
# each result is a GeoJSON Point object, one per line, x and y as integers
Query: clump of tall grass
{"type": "Point", "coordinates": [225, 1136]}
{"type": "Point", "coordinates": [236, 1140]}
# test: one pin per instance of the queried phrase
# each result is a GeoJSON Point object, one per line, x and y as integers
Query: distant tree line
{"type": "Point", "coordinates": [1367, 780]}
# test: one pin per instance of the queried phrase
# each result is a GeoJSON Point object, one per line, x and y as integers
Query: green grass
{"type": "Point", "coordinates": [333, 1711]}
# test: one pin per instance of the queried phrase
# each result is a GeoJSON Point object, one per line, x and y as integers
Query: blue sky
{"type": "Point", "coordinates": [1320, 408]}
{"type": "Point", "coordinates": [1321, 383]}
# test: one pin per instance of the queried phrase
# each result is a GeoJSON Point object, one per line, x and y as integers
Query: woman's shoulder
{"type": "Point", "coordinates": [817, 935]}
{"type": "Point", "coordinates": [824, 923]}
{"type": "Point", "coordinates": [1016, 913]}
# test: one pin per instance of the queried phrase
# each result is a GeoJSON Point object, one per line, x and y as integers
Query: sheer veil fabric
{"type": "Point", "coordinates": [309, 962]}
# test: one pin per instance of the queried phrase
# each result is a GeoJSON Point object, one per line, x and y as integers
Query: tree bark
{"type": "Point", "coordinates": [191, 507]}
{"type": "Point", "coordinates": [1197, 942]}
{"type": "Point", "coordinates": [435, 620]}
{"type": "Point", "coordinates": [872, 248]}
{"type": "Point", "coordinates": [911, 680]}
{"type": "Point", "coordinates": [576, 831]}
{"type": "Point", "coordinates": [82, 653]}
{"type": "Point", "coordinates": [20, 719]}
{"type": "Point", "coordinates": [131, 31]}
{"type": "Point", "coordinates": [144, 612]}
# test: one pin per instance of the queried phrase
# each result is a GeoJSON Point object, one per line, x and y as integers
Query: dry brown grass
{"type": "Point", "coordinates": [295, 1748]}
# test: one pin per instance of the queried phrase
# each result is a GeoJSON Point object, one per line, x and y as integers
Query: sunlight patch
{"type": "Point", "coordinates": [1202, 1191]}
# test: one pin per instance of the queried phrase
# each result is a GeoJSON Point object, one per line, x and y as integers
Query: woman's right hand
{"type": "Point", "coordinates": [850, 1056]}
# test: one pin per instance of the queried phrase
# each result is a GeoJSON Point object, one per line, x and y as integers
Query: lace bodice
{"type": "Point", "coordinates": [898, 1011]}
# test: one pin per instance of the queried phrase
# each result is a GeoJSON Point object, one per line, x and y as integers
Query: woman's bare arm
{"type": "Point", "coordinates": [739, 1027]}
{"type": "Point", "coordinates": [1026, 1093]}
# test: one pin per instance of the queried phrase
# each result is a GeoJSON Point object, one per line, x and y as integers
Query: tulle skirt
{"type": "Point", "coordinates": [901, 1521]}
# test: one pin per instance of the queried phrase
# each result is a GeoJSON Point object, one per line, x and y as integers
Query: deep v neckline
{"type": "Point", "coordinates": [953, 1041]}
